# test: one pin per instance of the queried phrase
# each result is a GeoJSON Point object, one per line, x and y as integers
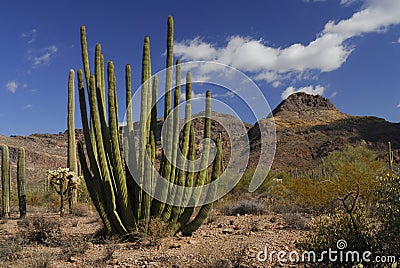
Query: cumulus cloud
{"type": "Point", "coordinates": [44, 58]}
{"type": "Point", "coordinates": [30, 36]}
{"type": "Point", "coordinates": [12, 86]}
{"type": "Point", "coordinates": [326, 53]}
{"type": "Point", "coordinates": [317, 90]}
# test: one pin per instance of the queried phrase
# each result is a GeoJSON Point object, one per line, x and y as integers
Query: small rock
{"type": "Point", "coordinates": [112, 262]}
{"type": "Point", "coordinates": [231, 222]}
{"type": "Point", "coordinates": [228, 231]}
{"type": "Point", "coordinates": [220, 225]}
{"type": "Point", "coordinates": [73, 259]}
{"type": "Point", "coordinates": [236, 227]}
{"type": "Point", "coordinates": [273, 220]}
{"type": "Point", "coordinates": [192, 242]}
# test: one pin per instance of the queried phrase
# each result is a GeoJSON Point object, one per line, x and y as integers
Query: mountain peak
{"type": "Point", "coordinates": [300, 102]}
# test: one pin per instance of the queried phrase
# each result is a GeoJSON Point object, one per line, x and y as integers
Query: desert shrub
{"type": "Point", "coordinates": [296, 221]}
{"type": "Point", "coordinates": [243, 184]}
{"type": "Point", "coordinates": [81, 210]}
{"type": "Point", "coordinates": [74, 246]}
{"type": "Point", "coordinates": [340, 171]}
{"type": "Point", "coordinates": [350, 223]}
{"type": "Point", "coordinates": [40, 230]}
{"type": "Point", "coordinates": [150, 233]}
{"type": "Point", "coordinates": [389, 213]}
{"type": "Point", "coordinates": [10, 250]}
{"type": "Point", "coordinates": [245, 206]}
{"type": "Point", "coordinates": [40, 260]}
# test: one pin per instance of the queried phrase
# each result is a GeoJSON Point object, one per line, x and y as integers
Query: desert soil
{"type": "Point", "coordinates": [222, 241]}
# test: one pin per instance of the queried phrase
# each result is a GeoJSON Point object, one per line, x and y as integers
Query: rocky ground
{"type": "Point", "coordinates": [45, 240]}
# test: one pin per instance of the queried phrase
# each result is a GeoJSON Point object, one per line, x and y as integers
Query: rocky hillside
{"type": "Point", "coordinates": [307, 129]}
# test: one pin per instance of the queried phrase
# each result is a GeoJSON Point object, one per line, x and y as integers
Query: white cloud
{"type": "Point", "coordinates": [333, 95]}
{"type": "Point", "coordinates": [25, 85]}
{"type": "Point", "coordinates": [276, 84]}
{"type": "Point", "coordinates": [12, 86]}
{"type": "Point", "coordinates": [348, 2]}
{"type": "Point", "coordinates": [29, 36]}
{"type": "Point", "coordinates": [398, 106]}
{"type": "Point", "coordinates": [196, 48]}
{"type": "Point", "coordinates": [328, 52]}
{"type": "Point", "coordinates": [28, 106]}
{"type": "Point", "coordinates": [45, 56]}
{"type": "Point", "coordinates": [317, 90]}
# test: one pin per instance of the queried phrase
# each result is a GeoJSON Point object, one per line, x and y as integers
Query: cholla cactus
{"type": "Point", "coordinates": [63, 181]}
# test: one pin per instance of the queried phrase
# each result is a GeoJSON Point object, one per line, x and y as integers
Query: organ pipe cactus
{"type": "Point", "coordinates": [72, 164]}
{"type": "Point", "coordinates": [21, 182]}
{"type": "Point", "coordinates": [118, 180]}
{"type": "Point", "coordinates": [5, 182]}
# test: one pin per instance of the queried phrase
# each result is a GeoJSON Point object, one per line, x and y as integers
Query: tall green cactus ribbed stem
{"type": "Point", "coordinates": [21, 182]}
{"type": "Point", "coordinates": [72, 164]}
{"type": "Point", "coordinates": [5, 182]}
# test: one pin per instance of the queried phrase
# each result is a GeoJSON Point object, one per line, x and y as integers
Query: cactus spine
{"type": "Point", "coordinates": [5, 182]}
{"type": "Point", "coordinates": [72, 164]}
{"type": "Point", "coordinates": [116, 191]}
{"type": "Point", "coordinates": [21, 182]}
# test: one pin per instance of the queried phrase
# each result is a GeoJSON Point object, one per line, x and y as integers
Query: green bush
{"type": "Point", "coordinates": [389, 213]}
{"type": "Point", "coordinates": [340, 171]}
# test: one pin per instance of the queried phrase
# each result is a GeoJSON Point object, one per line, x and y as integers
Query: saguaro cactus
{"type": "Point", "coordinates": [21, 182]}
{"type": "Point", "coordinates": [119, 189]}
{"type": "Point", "coordinates": [72, 164]}
{"type": "Point", "coordinates": [5, 182]}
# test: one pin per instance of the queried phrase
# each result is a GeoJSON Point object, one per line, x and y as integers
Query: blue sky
{"type": "Point", "coordinates": [346, 50]}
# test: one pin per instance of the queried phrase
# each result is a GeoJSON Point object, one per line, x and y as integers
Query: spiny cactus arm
{"type": "Point", "coordinates": [85, 55]}
{"type": "Point", "coordinates": [5, 179]}
{"type": "Point", "coordinates": [101, 98]}
{"type": "Point", "coordinates": [145, 214]}
{"type": "Point", "coordinates": [108, 185]}
{"type": "Point", "coordinates": [71, 158]}
{"type": "Point", "coordinates": [124, 202]}
{"type": "Point", "coordinates": [94, 190]}
{"type": "Point", "coordinates": [99, 72]}
{"type": "Point", "coordinates": [103, 83]}
{"type": "Point", "coordinates": [153, 124]}
{"type": "Point", "coordinates": [205, 209]}
{"type": "Point", "coordinates": [202, 174]}
{"type": "Point", "coordinates": [169, 64]}
{"type": "Point", "coordinates": [148, 82]}
{"type": "Point", "coordinates": [187, 212]}
{"type": "Point", "coordinates": [128, 98]}
{"type": "Point", "coordinates": [130, 148]}
{"type": "Point", "coordinates": [175, 141]}
{"type": "Point", "coordinates": [21, 177]}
